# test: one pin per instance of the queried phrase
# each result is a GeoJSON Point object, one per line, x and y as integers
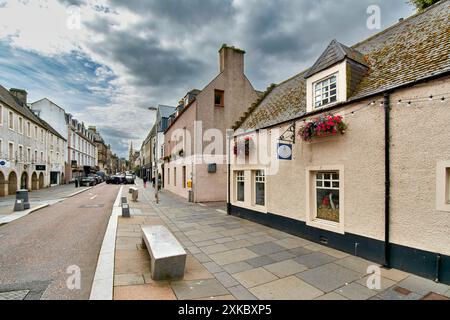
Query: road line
{"type": "Point", "coordinates": [221, 211]}
{"type": "Point", "coordinates": [94, 197]}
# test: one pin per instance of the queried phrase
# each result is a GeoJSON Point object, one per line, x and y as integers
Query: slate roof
{"type": "Point", "coordinates": [166, 111]}
{"type": "Point", "coordinates": [333, 54]}
{"type": "Point", "coordinates": [411, 50]}
{"type": "Point", "coordinates": [7, 98]}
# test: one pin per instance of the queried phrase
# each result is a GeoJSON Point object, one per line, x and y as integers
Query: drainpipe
{"type": "Point", "coordinates": [229, 137]}
{"type": "Point", "coordinates": [387, 202]}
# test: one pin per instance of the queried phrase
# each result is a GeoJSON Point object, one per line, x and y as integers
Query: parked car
{"type": "Point", "coordinates": [116, 180]}
{"type": "Point", "coordinates": [98, 178]}
{"type": "Point", "coordinates": [129, 179]}
{"type": "Point", "coordinates": [88, 181]}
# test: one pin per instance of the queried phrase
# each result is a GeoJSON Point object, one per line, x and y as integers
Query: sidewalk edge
{"type": "Point", "coordinates": [20, 214]}
{"type": "Point", "coordinates": [77, 193]}
{"type": "Point", "coordinates": [102, 286]}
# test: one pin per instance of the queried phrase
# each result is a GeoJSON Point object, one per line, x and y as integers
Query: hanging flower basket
{"type": "Point", "coordinates": [323, 126]}
{"type": "Point", "coordinates": [240, 147]}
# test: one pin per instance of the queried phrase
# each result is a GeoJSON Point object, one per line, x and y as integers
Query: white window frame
{"type": "Point", "coordinates": [11, 120]}
{"type": "Point", "coordinates": [262, 179]}
{"type": "Point", "coordinates": [443, 186]}
{"type": "Point", "coordinates": [29, 129]}
{"type": "Point", "coordinates": [20, 123]}
{"type": "Point", "coordinates": [35, 156]}
{"type": "Point", "coordinates": [311, 199]}
{"type": "Point", "coordinates": [239, 177]}
{"type": "Point", "coordinates": [36, 132]}
{"type": "Point", "coordinates": [322, 98]}
{"type": "Point", "coordinates": [11, 157]}
{"type": "Point", "coordinates": [28, 158]}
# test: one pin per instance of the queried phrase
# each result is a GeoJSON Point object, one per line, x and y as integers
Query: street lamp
{"type": "Point", "coordinates": [157, 166]}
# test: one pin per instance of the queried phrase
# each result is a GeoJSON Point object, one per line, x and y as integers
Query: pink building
{"type": "Point", "coordinates": [195, 141]}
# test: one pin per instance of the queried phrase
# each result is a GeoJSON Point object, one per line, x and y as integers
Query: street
{"type": "Point", "coordinates": [37, 250]}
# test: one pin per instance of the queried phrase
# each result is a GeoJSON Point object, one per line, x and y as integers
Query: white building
{"type": "Point", "coordinates": [31, 151]}
{"type": "Point", "coordinates": [82, 152]}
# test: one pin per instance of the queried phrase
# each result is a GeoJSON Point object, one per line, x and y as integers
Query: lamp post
{"type": "Point", "coordinates": [156, 164]}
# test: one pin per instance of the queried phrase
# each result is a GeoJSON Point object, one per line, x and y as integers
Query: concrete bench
{"type": "Point", "coordinates": [168, 258]}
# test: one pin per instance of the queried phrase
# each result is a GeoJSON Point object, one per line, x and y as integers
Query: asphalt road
{"type": "Point", "coordinates": [37, 250]}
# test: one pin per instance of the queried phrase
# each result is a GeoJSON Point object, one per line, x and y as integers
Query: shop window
{"type": "Point", "coordinates": [184, 177]}
{"type": "Point", "coordinates": [260, 188]}
{"type": "Point", "coordinates": [327, 196]}
{"type": "Point", "coordinates": [175, 177]}
{"type": "Point", "coordinates": [240, 186]}
{"type": "Point", "coordinates": [219, 96]}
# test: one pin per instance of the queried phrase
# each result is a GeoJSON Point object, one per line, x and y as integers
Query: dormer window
{"type": "Point", "coordinates": [325, 91]}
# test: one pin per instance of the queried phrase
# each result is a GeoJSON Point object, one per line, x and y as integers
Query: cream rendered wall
{"type": "Point", "coordinates": [420, 140]}
{"type": "Point", "coordinates": [360, 152]}
{"type": "Point", "coordinates": [420, 144]}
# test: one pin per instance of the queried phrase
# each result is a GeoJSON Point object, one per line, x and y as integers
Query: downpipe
{"type": "Point", "coordinates": [387, 200]}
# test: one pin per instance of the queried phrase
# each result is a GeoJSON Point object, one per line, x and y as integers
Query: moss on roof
{"type": "Point", "coordinates": [411, 50]}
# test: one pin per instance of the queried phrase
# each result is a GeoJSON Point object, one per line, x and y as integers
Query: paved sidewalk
{"type": "Point", "coordinates": [39, 198]}
{"type": "Point", "coordinates": [231, 258]}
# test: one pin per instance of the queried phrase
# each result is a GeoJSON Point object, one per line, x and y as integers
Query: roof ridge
{"type": "Point", "coordinates": [400, 22]}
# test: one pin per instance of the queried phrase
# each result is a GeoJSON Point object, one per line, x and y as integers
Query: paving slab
{"type": "Point", "coordinates": [232, 256]}
{"type": "Point", "coordinates": [212, 267]}
{"type": "Point", "coordinates": [291, 243]}
{"type": "Point", "coordinates": [314, 260]}
{"type": "Point", "coordinates": [385, 283]}
{"type": "Point", "coordinates": [329, 277]}
{"type": "Point", "coordinates": [144, 292]}
{"type": "Point", "coordinates": [226, 279]}
{"type": "Point", "coordinates": [300, 251]}
{"type": "Point", "coordinates": [395, 295]}
{"type": "Point", "coordinates": [285, 268]}
{"type": "Point", "coordinates": [423, 286]}
{"type": "Point", "coordinates": [237, 267]}
{"type": "Point", "coordinates": [195, 270]}
{"type": "Point", "coordinates": [214, 249]}
{"type": "Point", "coordinates": [332, 296]}
{"type": "Point", "coordinates": [128, 279]}
{"type": "Point", "coordinates": [355, 291]}
{"type": "Point", "coordinates": [254, 277]}
{"type": "Point", "coordinates": [238, 244]}
{"type": "Point", "coordinates": [260, 261]}
{"type": "Point", "coordinates": [187, 290]}
{"type": "Point", "coordinates": [241, 293]}
{"type": "Point", "coordinates": [201, 257]}
{"type": "Point", "coordinates": [393, 274]}
{"type": "Point", "coordinates": [281, 256]}
{"type": "Point", "coordinates": [357, 264]}
{"type": "Point", "coordinates": [266, 248]}
{"type": "Point", "coordinates": [291, 288]}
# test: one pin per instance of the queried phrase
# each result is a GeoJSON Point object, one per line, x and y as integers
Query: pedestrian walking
{"type": "Point", "coordinates": [145, 182]}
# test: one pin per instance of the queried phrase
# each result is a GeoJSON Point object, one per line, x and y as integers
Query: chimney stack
{"type": "Point", "coordinates": [21, 95]}
{"type": "Point", "coordinates": [231, 58]}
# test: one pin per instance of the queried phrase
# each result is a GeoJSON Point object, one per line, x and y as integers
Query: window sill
{"type": "Point", "coordinates": [219, 106]}
{"type": "Point", "coordinates": [327, 225]}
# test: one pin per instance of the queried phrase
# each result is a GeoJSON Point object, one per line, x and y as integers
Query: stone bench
{"type": "Point", "coordinates": [168, 258]}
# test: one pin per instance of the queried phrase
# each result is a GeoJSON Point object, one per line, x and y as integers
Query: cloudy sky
{"type": "Point", "coordinates": [127, 55]}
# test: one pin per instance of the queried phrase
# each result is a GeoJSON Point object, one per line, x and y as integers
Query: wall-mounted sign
{"type": "Point", "coordinates": [40, 167]}
{"type": "Point", "coordinates": [284, 151]}
{"type": "Point", "coordinates": [4, 163]}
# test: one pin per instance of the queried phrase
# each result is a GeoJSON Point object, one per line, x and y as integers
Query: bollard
{"type": "Point", "coordinates": [135, 195]}
{"type": "Point", "coordinates": [126, 210]}
{"type": "Point", "coordinates": [23, 195]}
{"type": "Point", "coordinates": [18, 206]}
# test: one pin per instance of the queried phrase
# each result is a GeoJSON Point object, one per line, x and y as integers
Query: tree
{"type": "Point", "coordinates": [423, 4]}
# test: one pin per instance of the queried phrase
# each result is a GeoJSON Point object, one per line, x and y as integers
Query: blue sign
{"type": "Point", "coordinates": [284, 151]}
{"type": "Point", "coordinates": [2, 163]}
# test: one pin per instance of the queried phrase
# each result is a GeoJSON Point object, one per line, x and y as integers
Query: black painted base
{"type": "Point", "coordinates": [423, 263]}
